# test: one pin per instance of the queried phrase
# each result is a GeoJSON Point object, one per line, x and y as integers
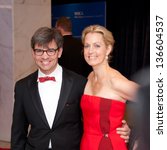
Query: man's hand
{"type": "Point", "coordinates": [124, 131]}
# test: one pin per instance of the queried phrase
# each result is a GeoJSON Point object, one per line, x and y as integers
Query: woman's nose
{"type": "Point", "coordinates": [90, 49]}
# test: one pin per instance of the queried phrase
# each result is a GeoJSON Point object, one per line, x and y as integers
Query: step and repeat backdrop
{"type": "Point", "coordinates": [81, 15]}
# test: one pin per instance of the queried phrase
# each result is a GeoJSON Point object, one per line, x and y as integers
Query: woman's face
{"type": "Point", "coordinates": [95, 50]}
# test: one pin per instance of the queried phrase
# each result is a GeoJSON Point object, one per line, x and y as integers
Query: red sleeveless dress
{"type": "Point", "coordinates": [101, 117]}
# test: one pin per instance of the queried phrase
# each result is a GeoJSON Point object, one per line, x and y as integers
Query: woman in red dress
{"type": "Point", "coordinates": [105, 95]}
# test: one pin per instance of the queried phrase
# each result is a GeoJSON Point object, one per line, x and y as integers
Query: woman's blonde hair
{"type": "Point", "coordinates": [107, 35]}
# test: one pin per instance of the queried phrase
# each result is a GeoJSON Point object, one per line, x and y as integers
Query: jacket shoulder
{"type": "Point", "coordinates": [74, 75]}
{"type": "Point", "coordinates": [28, 77]}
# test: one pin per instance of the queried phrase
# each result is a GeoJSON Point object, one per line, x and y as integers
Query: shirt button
{"type": "Point", "coordinates": [106, 135]}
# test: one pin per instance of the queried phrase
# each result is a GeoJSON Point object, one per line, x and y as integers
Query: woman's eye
{"type": "Point", "coordinates": [96, 46]}
{"type": "Point", "coordinates": [86, 46]}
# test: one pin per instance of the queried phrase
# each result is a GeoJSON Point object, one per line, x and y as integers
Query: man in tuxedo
{"type": "Point", "coordinates": [72, 57]}
{"type": "Point", "coordinates": [48, 100]}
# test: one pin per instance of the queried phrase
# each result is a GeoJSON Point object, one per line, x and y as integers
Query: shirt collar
{"type": "Point", "coordinates": [57, 73]}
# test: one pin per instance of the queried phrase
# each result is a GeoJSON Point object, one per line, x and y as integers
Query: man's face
{"type": "Point", "coordinates": [46, 63]}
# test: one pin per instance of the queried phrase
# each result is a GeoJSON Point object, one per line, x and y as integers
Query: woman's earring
{"type": "Point", "coordinates": [106, 57]}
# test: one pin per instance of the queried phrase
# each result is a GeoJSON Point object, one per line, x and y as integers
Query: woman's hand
{"type": "Point", "coordinates": [124, 131]}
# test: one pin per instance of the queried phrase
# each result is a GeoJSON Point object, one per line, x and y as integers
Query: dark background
{"type": "Point", "coordinates": [129, 21]}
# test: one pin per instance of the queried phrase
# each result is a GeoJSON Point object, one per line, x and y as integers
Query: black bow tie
{"type": "Point", "coordinates": [47, 78]}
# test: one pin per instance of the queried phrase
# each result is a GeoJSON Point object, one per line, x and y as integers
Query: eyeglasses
{"type": "Point", "coordinates": [49, 51]}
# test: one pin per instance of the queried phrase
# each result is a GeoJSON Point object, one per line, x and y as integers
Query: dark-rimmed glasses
{"type": "Point", "coordinates": [49, 51]}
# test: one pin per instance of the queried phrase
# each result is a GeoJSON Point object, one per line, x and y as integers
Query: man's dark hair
{"type": "Point", "coordinates": [44, 35]}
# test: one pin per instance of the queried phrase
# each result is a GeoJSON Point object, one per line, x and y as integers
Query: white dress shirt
{"type": "Point", "coordinates": [49, 92]}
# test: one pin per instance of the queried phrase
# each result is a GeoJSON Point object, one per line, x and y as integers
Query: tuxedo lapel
{"type": "Point", "coordinates": [33, 88]}
{"type": "Point", "coordinates": [67, 83]}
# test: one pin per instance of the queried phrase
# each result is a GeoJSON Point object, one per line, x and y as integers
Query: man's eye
{"type": "Point", "coordinates": [38, 50]}
{"type": "Point", "coordinates": [51, 50]}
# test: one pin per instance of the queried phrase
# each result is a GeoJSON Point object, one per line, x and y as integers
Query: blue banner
{"type": "Point", "coordinates": [81, 15]}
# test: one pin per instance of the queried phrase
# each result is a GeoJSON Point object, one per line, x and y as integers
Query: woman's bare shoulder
{"type": "Point", "coordinates": [123, 85]}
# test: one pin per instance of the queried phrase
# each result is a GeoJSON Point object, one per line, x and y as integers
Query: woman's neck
{"type": "Point", "coordinates": [101, 72]}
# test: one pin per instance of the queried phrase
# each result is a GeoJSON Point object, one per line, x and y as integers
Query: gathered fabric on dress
{"type": "Point", "coordinates": [101, 117]}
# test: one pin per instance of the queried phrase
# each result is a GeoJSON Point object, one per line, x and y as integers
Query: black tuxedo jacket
{"type": "Point", "coordinates": [66, 131]}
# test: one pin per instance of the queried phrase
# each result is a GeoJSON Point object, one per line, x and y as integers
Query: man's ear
{"type": "Point", "coordinates": [32, 52]}
{"type": "Point", "coordinates": [60, 52]}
